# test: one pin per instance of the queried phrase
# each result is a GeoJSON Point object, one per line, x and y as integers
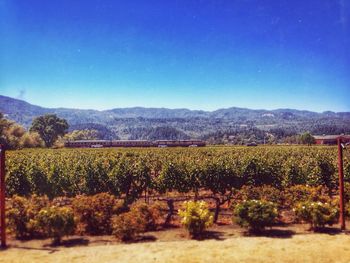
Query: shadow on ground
{"type": "Point", "coordinates": [141, 239]}
{"type": "Point", "coordinates": [330, 231]}
{"type": "Point", "coordinates": [48, 249]}
{"type": "Point", "coordinates": [273, 233]}
{"type": "Point", "coordinates": [216, 235]}
{"type": "Point", "coordinates": [72, 242]}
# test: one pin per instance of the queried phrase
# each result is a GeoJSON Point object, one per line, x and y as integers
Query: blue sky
{"type": "Point", "coordinates": [177, 54]}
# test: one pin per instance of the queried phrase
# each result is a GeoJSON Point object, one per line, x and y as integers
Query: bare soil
{"type": "Point", "coordinates": [222, 243]}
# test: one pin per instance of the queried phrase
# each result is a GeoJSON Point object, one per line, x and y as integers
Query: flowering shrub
{"type": "Point", "coordinates": [195, 217]}
{"type": "Point", "coordinates": [95, 212]}
{"type": "Point", "coordinates": [255, 214]}
{"type": "Point", "coordinates": [56, 222]}
{"type": "Point", "coordinates": [318, 214]}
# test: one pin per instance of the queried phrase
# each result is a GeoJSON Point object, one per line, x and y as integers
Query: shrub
{"type": "Point", "coordinates": [265, 193]}
{"type": "Point", "coordinates": [255, 214]}
{"type": "Point", "coordinates": [195, 217]}
{"type": "Point", "coordinates": [302, 193]}
{"type": "Point", "coordinates": [127, 226]}
{"type": "Point", "coordinates": [22, 214]}
{"type": "Point", "coordinates": [17, 216]}
{"type": "Point", "coordinates": [139, 219]}
{"type": "Point", "coordinates": [318, 214]}
{"type": "Point", "coordinates": [95, 212]}
{"type": "Point", "coordinates": [158, 210]}
{"type": "Point", "coordinates": [150, 215]}
{"type": "Point", "coordinates": [56, 222]}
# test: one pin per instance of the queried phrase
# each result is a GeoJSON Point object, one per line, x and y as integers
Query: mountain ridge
{"type": "Point", "coordinates": [3, 100]}
{"type": "Point", "coordinates": [165, 123]}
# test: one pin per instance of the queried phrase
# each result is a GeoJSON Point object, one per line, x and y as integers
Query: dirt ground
{"type": "Point", "coordinates": [225, 243]}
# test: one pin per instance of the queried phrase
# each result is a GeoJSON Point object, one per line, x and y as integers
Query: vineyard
{"type": "Point", "coordinates": [134, 173]}
{"type": "Point", "coordinates": [126, 192]}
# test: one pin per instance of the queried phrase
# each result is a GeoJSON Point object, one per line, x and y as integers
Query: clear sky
{"type": "Point", "coordinates": [206, 55]}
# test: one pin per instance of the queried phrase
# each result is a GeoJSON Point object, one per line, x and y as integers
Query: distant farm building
{"type": "Point", "coordinates": [331, 139]}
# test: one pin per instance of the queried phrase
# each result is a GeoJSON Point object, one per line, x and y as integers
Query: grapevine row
{"type": "Point", "coordinates": [130, 172]}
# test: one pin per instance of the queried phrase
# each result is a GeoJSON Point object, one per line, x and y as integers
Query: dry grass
{"type": "Point", "coordinates": [225, 244]}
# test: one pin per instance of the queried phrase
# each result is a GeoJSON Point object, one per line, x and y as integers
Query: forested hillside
{"type": "Point", "coordinates": [232, 125]}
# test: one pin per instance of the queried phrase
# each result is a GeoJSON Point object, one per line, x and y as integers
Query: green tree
{"type": "Point", "coordinates": [4, 125]}
{"type": "Point", "coordinates": [82, 135]}
{"type": "Point", "coordinates": [14, 136]}
{"type": "Point", "coordinates": [49, 127]}
{"type": "Point", "coordinates": [307, 138]}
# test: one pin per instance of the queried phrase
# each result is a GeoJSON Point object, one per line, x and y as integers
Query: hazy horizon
{"type": "Point", "coordinates": [198, 55]}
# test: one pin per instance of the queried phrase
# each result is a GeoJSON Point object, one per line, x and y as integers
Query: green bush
{"type": "Point", "coordinates": [95, 213]}
{"type": "Point", "coordinates": [56, 222]}
{"type": "Point", "coordinates": [195, 216]}
{"type": "Point", "coordinates": [21, 215]}
{"type": "Point", "coordinates": [318, 214]}
{"type": "Point", "coordinates": [255, 214]}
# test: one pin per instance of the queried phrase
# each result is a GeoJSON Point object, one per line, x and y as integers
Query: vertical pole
{"type": "Point", "coordinates": [341, 184]}
{"type": "Point", "coordinates": [2, 196]}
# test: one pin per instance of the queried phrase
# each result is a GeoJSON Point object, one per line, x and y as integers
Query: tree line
{"type": "Point", "coordinates": [45, 131]}
{"type": "Point", "coordinates": [51, 131]}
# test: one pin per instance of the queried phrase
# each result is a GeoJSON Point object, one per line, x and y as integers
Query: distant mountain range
{"type": "Point", "coordinates": [163, 123]}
